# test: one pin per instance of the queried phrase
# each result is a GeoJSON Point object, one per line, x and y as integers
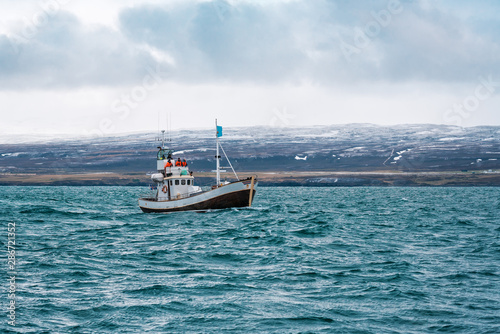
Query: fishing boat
{"type": "Point", "coordinates": [174, 186]}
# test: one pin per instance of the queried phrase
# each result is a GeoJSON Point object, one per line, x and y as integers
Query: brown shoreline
{"type": "Point", "coordinates": [278, 178]}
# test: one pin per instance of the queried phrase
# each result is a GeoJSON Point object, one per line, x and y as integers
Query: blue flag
{"type": "Point", "coordinates": [219, 131]}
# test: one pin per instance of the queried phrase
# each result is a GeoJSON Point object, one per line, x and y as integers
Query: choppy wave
{"type": "Point", "coordinates": [302, 260]}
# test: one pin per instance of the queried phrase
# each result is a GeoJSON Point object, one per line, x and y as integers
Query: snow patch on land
{"type": "Point", "coordinates": [15, 154]}
{"type": "Point", "coordinates": [451, 138]}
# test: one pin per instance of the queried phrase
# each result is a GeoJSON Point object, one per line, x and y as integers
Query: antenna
{"type": "Point", "coordinates": [217, 156]}
{"type": "Point", "coordinates": [166, 121]}
{"type": "Point", "coordinates": [170, 124]}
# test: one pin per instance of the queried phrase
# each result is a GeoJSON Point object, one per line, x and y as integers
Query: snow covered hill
{"type": "Point", "coordinates": [351, 147]}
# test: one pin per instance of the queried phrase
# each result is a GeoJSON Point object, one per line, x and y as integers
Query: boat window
{"type": "Point", "coordinates": [170, 182]}
{"type": "Point", "coordinates": [176, 182]}
{"type": "Point", "coordinates": [189, 182]}
{"type": "Point", "coordinates": [183, 182]}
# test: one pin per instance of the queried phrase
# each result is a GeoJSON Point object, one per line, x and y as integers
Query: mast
{"type": "Point", "coordinates": [217, 156]}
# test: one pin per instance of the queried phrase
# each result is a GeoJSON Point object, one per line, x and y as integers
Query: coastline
{"type": "Point", "coordinates": [278, 178]}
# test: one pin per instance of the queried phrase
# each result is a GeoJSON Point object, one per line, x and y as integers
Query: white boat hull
{"type": "Point", "coordinates": [235, 194]}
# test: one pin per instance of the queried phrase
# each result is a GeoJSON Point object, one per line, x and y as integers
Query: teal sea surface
{"type": "Point", "coordinates": [301, 260]}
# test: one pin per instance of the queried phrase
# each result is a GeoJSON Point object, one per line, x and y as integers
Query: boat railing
{"type": "Point", "coordinates": [150, 195]}
{"type": "Point", "coordinates": [186, 195]}
{"type": "Point", "coordinates": [177, 171]}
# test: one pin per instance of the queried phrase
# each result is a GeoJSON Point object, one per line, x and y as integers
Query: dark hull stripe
{"type": "Point", "coordinates": [236, 199]}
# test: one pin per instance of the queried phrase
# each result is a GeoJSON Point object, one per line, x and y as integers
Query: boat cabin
{"type": "Point", "coordinates": [173, 182]}
{"type": "Point", "coordinates": [177, 183]}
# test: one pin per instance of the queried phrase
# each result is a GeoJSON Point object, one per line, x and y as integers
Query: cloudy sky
{"type": "Point", "coordinates": [108, 67]}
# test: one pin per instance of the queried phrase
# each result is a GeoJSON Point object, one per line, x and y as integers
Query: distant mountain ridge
{"type": "Point", "coordinates": [351, 147]}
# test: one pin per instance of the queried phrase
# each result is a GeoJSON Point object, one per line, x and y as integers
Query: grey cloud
{"type": "Point", "coordinates": [432, 46]}
{"type": "Point", "coordinates": [214, 40]}
{"type": "Point", "coordinates": [302, 40]}
{"type": "Point", "coordinates": [289, 41]}
{"type": "Point", "coordinates": [64, 53]}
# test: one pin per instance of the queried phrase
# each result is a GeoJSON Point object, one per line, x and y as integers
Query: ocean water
{"type": "Point", "coordinates": [302, 260]}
